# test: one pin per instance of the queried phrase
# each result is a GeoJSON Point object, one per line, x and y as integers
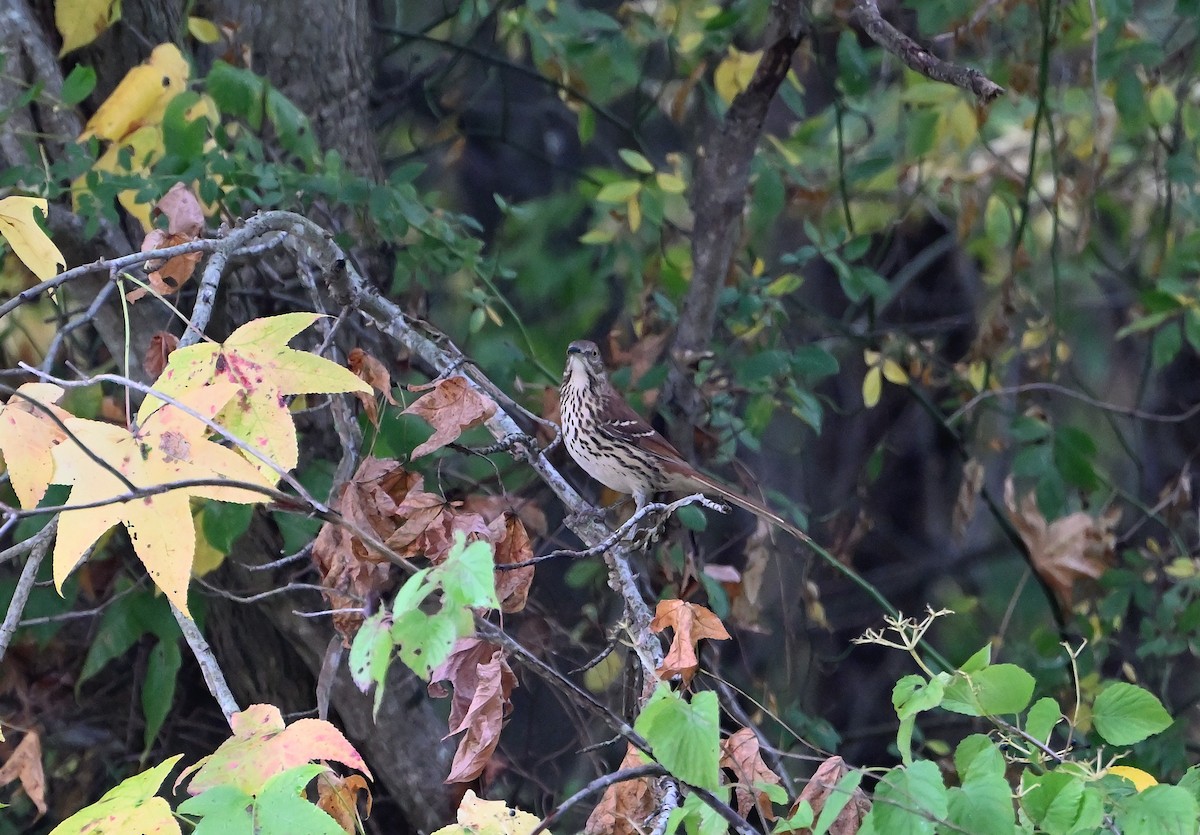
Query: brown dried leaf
{"type": "Point", "coordinates": [348, 569]}
{"type": "Point", "coordinates": [185, 222]}
{"type": "Point", "coordinates": [376, 375]}
{"type": "Point", "coordinates": [161, 346]}
{"type": "Point", "coordinates": [1066, 550]}
{"type": "Point", "coordinates": [822, 784]}
{"type": "Point", "coordinates": [968, 496]}
{"type": "Point", "coordinates": [625, 807]}
{"type": "Point", "coordinates": [338, 797]}
{"type": "Point", "coordinates": [691, 623]}
{"type": "Point", "coordinates": [451, 408]}
{"type": "Point", "coordinates": [25, 764]}
{"type": "Point", "coordinates": [482, 682]}
{"type": "Point", "coordinates": [512, 545]}
{"type": "Point", "coordinates": [740, 753]}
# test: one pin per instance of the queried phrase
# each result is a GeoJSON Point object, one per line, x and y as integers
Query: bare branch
{"type": "Point", "coordinates": [213, 677]}
{"type": "Point", "coordinates": [38, 547]}
{"type": "Point", "coordinates": [866, 14]}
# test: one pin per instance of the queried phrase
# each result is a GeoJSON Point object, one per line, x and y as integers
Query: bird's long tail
{"type": "Point", "coordinates": [711, 485]}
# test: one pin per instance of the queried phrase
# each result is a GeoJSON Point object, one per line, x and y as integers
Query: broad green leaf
{"type": "Point", "coordinates": [425, 641]}
{"type": "Point", "coordinates": [909, 799]}
{"type": "Point", "coordinates": [158, 687]}
{"type": "Point", "coordinates": [982, 803]}
{"type": "Point", "coordinates": [222, 810]}
{"type": "Point", "coordinates": [1125, 714]}
{"type": "Point", "coordinates": [1060, 803]}
{"type": "Point", "coordinates": [371, 654]}
{"type": "Point", "coordinates": [1159, 810]}
{"type": "Point", "coordinates": [1041, 719]}
{"type": "Point", "coordinates": [467, 575]}
{"type": "Point", "coordinates": [78, 85]}
{"type": "Point", "coordinates": [281, 808]}
{"type": "Point", "coordinates": [685, 736]}
{"type": "Point", "coordinates": [992, 691]}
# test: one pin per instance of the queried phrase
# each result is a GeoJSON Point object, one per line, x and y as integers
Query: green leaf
{"type": "Point", "coordinates": [1163, 105]}
{"type": "Point", "coordinates": [994, 690]}
{"type": "Point", "coordinates": [425, 640]}
{"type": "Point", "coordinates": [1159, 810]}
{"type": "Point", "coordinates": [283, 809]}
{"type": "Point", "coordinates": [224, 522]}
{"type": "Point", "coordinates": [635, 161]}
{"type": "Point", "coordinates": [1041, 719]}
{"type": "Point", "coordinates": [1165, 345]}
{"type": "Point", "coordinates": [618, 192]}
{"type": "Point", "coordinates": [223, 810]}
{"type": "Point", "coordinates": [291, 125]}
{"type": "Point", "coordinates": [78, 85]}
{"type": "Point", "coordinates": [1060, 803]}
{"type": "Point", "coordinates": [914, 694]}
{"type": "Point", "coordinates": [980, 660]}
{"type": "Point", "coordinates": [982, 804]}
{"type": "Point", "coordinates": [908, 800]}
{"type": "Point", "coordinates": [371, 655]}
{"type": "Point", "coordinates": [467, 575]}
{"type": "Point", "coordinates": [158, 687]}
{"type": "Point", "coordinates": [238, 93]}
{"type": "Point", "coordinates": [685, 737]}
{"type": "Point", "coordinates": [183, 138]}
{"type": "Point", "coordinates": [1125, 714]}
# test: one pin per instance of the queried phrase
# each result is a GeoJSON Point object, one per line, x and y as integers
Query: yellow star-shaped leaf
{"type": "Point", "coordinates": [27, 437]}
{"type": "Point", "coordinates": [170, 446]}
{"type": "Point", "coordinates": [257, 359]}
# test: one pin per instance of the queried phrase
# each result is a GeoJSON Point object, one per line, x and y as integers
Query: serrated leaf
{"type": "Point", "coordinates": [1125, 714]}
{"type": "Point", "coordinates": [995, 690]}
{"type": "Point", "coordinates": [129, 807]}
{"type": "Point", "coordinates": [909, 800]}
{"type": "Point", "coordinates": [1161, 810]}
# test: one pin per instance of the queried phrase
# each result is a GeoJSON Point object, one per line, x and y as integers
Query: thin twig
{"type": "Point", "coordinates": [1055, 388]}
{"type": "Point", "coordinates": [213, 677]}
{"type": "Point", "coordinates": [595, 787]}
{"type": "Point", "coordinates": [39, 546]}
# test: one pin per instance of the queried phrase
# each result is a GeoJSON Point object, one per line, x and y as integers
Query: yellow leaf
{"type": "Point", "coordinates": [872, 387]}
{"type": "Point", "coordinates": [203, 30]}
{"type": "Point", "coordinates": [633, 211]}
{"type": "Point", "coordinates": [894, 373]}
{"type": "Point", "coordinates": [670, 183]}
{"type": "Point", "coordinates": [142, 96]}
{"type": "Point", "coordinates": [977, 373]}
{"type": "Point", "coordinates": [169, 446]}
{"type": "Point", "coordinates": [208, 557]}
{"type": "Point", "coordinates": [82, 21]}
{"type": "Point", "coordinates": [27, 436]}
{"type": "Point", "coordinates": [1139, 778]}
{"type": "Point", "coordinates": [264, 370]}
{"type": "Point", "coordinates": [33, 246]}
{"type": "Point", "coordinates": [489, 817]}
{"type": "Point", "coordinates": [145, 147]}
{"type": "Point", "coordinates": [733, 74]}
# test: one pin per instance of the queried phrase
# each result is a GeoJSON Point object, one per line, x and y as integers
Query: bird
{"type": "Point", "coordinates": [618, 448]}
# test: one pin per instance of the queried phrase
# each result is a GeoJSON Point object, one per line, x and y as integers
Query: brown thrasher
{"type": "Point", "coordinates": [619, 449]}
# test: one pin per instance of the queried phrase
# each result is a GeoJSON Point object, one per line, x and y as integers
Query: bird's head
{"type": "Point", "coordinates": [583, 360]}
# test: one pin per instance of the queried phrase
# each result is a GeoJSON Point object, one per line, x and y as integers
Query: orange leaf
{"type": "Point", "coordinates": [740, 753]}
{"type": "Point", "coordinates": [338, 797]}
{"type": "Point", "coordinates": [25, 764]}
{"type": "Point", "coordinates": [451, 408]}
{"type": "Point", "coordinates": [262, 746]}
{"type": "Point", "coordinates": [691, 623]}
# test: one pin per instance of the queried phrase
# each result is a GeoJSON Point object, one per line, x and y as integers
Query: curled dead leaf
{"type": "Point", "coordinates": [483, 683]}
{"type": "Point", "coordinates": [822, 784]}
{"type": "Point", "coordinates": [375, 374]}
{"type": "Point", "coordinates": [338, 797]}
{"type": "Point", "coordinates": [741, 754]}
{"type": "Point", "coordinates": [161, 346]}
{"type": "Point", "coordinates": [625, 806]}
{"type": "Point", "coordinates": [25, 764]}
{"type": "Point", "coordinates": [185, 222]}
{"type": "Point", "coordinates": [452, 407]}
{"type": "Point", "coordinates": [1076, 547]}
